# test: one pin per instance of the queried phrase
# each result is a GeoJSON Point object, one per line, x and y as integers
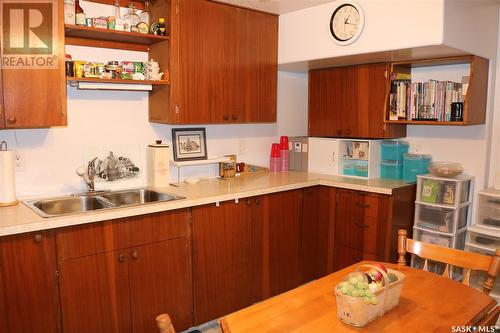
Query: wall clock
{"type": "Point", "coordinates": [346, 22]}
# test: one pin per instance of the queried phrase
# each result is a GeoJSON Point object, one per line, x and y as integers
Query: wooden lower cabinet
{"type": "Point", "coordinates": [124, 289]}
{"type": "Point", "coordinates": [366, 224]}
{"type": "Point", "coordinates": [318, 221]}
{"type": "Point", "coordinates": [227, 257]}
{"type": "Point", "coordinates": [29, 297]}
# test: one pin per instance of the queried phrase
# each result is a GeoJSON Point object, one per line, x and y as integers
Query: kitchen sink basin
{"type": "Point", "coordinates": [89, 202]}
{"type": "Point", "coordinates": [137, 197]}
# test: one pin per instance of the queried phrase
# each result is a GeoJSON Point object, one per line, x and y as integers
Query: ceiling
{"type": "Point", "coordinates": [276, 6]}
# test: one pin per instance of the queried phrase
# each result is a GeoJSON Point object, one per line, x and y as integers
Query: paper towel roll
{"type": "Point", "coordinates": [7, 178]}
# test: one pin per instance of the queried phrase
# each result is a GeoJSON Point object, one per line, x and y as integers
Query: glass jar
{"type": "Point", "coordinates": [145, 14]}
{"type": "Point", "coordinates": [131, 17]}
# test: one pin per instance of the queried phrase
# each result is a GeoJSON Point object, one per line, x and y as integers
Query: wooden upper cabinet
{"type": "Point", "coordinates": [29, 299]}
{"type": "Point", "coordinates": [350, 102]}
{"type": "Point", "coordinates": [223, 65]}
{"type": "Point", "coordinates": [34, 98]}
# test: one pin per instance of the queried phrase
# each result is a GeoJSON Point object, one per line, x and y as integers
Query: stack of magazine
{"type": "Point", "coordinates": [429, 100]}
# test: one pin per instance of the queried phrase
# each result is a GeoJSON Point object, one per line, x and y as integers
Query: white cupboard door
{"type": "Point", "coordinates": [323, 156]}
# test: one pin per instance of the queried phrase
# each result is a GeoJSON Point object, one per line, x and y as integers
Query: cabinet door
{"type": "Point", "coordinates": [284, 231]}
{"type": "Point", "coordinates": [207, 62]}
{"type": "Point", "coordinates": [317, 232]}
{"type": "Point", "coordinates": [37, 97]}
{"type": "Point", "coordinates": [95, 293]}
{"type": "Point", "coordinates": [160, 282]}
{"type": "Point", "coordinates": [346, 256]}
{"type": "Point", "coordinates": [257, 70]}
{"type": "Point", "coordinates": [333, 102]}
{"type": "Point", "coordinates": [226, 265]}
{"type": "Point", "coordinates": [29, 298]}
{"type": "Point", "coordinates": [2, 109]}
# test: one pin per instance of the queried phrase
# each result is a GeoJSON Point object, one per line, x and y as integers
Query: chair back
{"type": "Point", "coordinates": [451, 257]}
{"type": "Point", "coordinates": [164, 324]}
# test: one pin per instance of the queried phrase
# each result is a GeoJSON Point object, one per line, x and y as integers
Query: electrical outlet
{"type": "Point", "coordinates": [20, 161]}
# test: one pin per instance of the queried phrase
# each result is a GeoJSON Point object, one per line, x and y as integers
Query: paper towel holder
{"type": "Point", "coordinates": [9, 195]}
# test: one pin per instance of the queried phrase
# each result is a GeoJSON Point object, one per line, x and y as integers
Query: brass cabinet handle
{"type": "Point", "coordinates": [362, 205]}
{"type": "Point", "coordinates": [347, 131]}
{"type": "Point", "coordinates": [121, 257]}
{"type": "Point", "coordinates": [11, 120]}
{"type": "Point", "coordinates": [257, 201]}
{"type": "Point", "coordinates": [339, 132]}
{"type": "Point", "coordinates": [38, 238]}
{"type": "Point", "coordinates": [364, 226]}
{"type": "Point", "coordinates": [234, 116]}
{"type": "Point", "coordinates": [248, 202]}
{"type": "Point", "coordinates": [226, 117]}
{"type": "Point", "coordinates": [135, 254]}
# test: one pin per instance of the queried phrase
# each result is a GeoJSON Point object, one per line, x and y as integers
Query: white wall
{"type": "Point", "coordinates": [393, 29]}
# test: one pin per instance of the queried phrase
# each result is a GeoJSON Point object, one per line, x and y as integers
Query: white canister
{"type": "Point", "coordinates": [7, 176]}
{"type": "Point", "coordinates": [158, 165]}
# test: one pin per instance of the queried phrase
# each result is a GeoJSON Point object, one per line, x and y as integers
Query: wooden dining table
{"type": "Point", "coordinates": [428, 303]}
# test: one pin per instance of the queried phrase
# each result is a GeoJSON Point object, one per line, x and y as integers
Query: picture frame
{"type": "Point", "coordinates": [189, 144]}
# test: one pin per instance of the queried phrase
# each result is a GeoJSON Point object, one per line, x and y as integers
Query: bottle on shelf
{"type": "Point", "coordinates": [119, 22]}
{"type": "Point", "coordinates": [80, 17]}
{"type": "Point", "coordinates": [69, 12]}
{"type": "Point", "coordinates": [145, 14]}
{"type": "Point", "coordinates": [162, 27]}
{"type": "Point", "coordinates": [131, 18]}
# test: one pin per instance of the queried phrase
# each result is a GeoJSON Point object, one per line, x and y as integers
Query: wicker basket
{"type": "Point", "coordinates": [353, 311]}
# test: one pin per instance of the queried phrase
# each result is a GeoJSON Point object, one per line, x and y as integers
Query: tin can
{"type": "Point", "coordinates": [111, 22]}
{"type": "Point", "coordinates": [99, 68]}
{"type": "Point", "coordinates": [128, 66]}
{"type": "Point", "coordinates": [79, 68]}
{"type": "Point", "coordinates": [88, 22]}
{"type": "Point", "coordinates": [138, 67]}
{"type": "Point", "coordinates": [70, 70]}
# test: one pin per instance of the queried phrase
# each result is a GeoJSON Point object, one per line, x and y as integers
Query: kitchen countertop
{"type": "Point", "coordinates": [20, 219]}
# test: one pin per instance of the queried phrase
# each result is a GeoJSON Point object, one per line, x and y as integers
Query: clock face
{"type": "Point", "coordinates": [346, 23]}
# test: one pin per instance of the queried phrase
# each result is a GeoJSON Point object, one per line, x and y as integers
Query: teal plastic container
{"type": "Point", "coordinates": [349, 169]}
{"type": "Point", "coordinates": [394, 150]}
{"type": "Point", "coordinates": [391, 169]}
{"type": "Point", "coordinates": [415, 164]}
{"type": "Point", "coordinates": [361, 170]}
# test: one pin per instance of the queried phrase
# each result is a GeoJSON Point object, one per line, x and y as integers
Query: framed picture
{"type": "Point", "coordinates": [189, 144]}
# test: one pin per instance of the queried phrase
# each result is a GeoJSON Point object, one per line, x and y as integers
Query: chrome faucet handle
{"type": "Point", "coordinates": [89, 180]}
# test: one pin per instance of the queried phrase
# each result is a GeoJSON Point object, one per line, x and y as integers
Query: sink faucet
{"type": "Point", "coordinates": [88, 176]}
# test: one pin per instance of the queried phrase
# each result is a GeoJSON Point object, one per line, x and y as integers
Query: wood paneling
{"type": "Point", "coordinates": [227, 258]}
{"type": "Point", "coordinates": [350, 102]}
{"type": "Point", "coordinates": [2, 109]}
{"type": "Point", "coordinates": [284, 222]}
{"type": "Point", "coordinates": [112, 235]}
{"type": "Point", "coordinates": [160, 282]}
{"type": "Point", "coordinates": [317, 232]}
{"type": "Point", "coordinates": [37, 97]}
{"type": "Point", "coordinates": [29, 297]}
{"type": "Point", "coordinates": [347, 256]}
{"type": "Point", "coordinates": [95, 293]}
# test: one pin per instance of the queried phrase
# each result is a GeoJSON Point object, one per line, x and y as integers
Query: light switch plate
{"type": "Point", "coordinates": [20, 161]}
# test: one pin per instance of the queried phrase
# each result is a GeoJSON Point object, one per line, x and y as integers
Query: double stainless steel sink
{"type": "Point", "coordinates": [88, 202]}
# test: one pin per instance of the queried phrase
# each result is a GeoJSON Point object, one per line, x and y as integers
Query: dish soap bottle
{"type": "Point", "coordinates": [80, 16]}
{"type": "Point", "coordinates": [131, 17]}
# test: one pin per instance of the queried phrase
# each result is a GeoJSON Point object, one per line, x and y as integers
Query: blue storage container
{"type": "Point", "coordinates": [391, 169]}
{"type": "Point", "coordinates": [349, 169]}
{"type": "Point", "coordinates": [415, 164]}
{"type": "Point", "coordinates": [394, 150]}
{"type": "Point", "coordinates": [361, 169]}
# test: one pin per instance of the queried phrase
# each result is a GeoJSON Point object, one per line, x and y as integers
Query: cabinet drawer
{"type": "Point", "coordinates": [118, 234]}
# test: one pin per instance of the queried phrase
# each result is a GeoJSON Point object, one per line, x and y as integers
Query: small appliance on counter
{"type": "Point", "coordinates": [7, 176]}
{"type": "Point", "coordinates": [158, 164]}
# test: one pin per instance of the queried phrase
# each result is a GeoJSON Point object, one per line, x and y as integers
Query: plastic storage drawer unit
{"type": "Point", "coordinates": [442, 191]}
{"type": "Point", "coordinates": [447, 220]}
{"type": "Point", "coordinates": [393, 150]}
{"type": "Point", "coordinates": [439, 238]}
{"type": "Point", "coordinates": [415, 164]}
{"type": "Point", "coordinates": [482, 239]}
{"type": "Point", "coordinates": [391, 169]}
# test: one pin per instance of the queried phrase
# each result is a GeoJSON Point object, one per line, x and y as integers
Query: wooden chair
{"type": "Point", "coordinates": [451, 257]}
{"type": "Point", "coordinates": [164, 323]}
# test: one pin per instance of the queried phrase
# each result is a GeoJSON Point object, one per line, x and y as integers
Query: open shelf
{"type": "Point", "coordinates": [120, 81]}
{"type": "Point", "coordinates": [212, 160]}
{"type": "Point", "coordinates": [474, 111]}
{"type": "Point", "coordinates": [139, 4]}
{"type": "Point", "coordinates": [106, 38]}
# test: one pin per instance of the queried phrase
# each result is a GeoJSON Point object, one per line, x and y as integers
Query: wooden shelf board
{"type": "Point", "coordinates": [426, 122]}
{"type": "Point", "coordinates": [113, 35]}
{"type": "Point", "coordinates": [213, 160]}
{"type": "Point", "coordinates": [139, 4]}
{"type": "Point", "coordinates": [119, 81]}
{"type": "Point", "coordinates": [467, 59]}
